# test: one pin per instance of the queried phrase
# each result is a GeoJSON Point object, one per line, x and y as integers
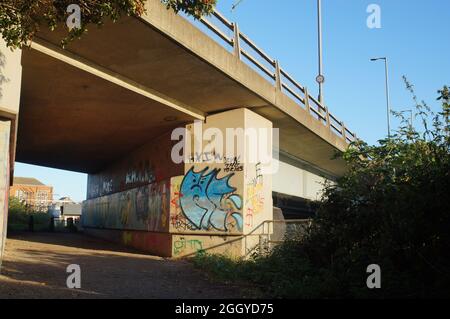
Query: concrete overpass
{"type": "Point", "coordinates": [106, 106]}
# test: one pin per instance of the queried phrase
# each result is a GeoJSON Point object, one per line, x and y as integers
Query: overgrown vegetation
{"type": "Point", "coordinates": [392, 208]}
{"type": "Point", "coordinates": [19, 217]}
{"type": "Point", "coordinates": [20, 20]}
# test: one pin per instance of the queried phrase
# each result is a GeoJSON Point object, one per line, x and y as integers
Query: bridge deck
{"type": "Point", "coordinates": [127, 82]}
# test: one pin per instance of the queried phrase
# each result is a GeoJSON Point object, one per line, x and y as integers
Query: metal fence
{"type": "Point", "coordinates": [246, 50]}
{"type": "Point", "coordinates": [271, 233]}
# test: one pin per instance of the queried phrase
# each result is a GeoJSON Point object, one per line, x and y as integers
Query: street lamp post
{"type": "Point", "coordinates": [388, 103]}
{"type": "Point", "coordinates": [320, 78]}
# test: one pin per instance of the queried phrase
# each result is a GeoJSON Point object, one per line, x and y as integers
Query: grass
{"type": "Point", "coordinates": [285, 273]}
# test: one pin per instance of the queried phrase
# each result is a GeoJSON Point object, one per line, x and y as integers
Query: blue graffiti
{"type": "Point", "coordinates": [203, 197]}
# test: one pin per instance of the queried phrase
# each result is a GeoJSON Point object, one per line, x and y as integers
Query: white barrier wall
{"type": "Point", "coordinates": [302, 183]}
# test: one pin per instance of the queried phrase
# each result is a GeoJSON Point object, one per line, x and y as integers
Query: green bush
{"type": "Point", "coordinates": [392, 209]}
{"type": "Point", "coordinates": [19, 217]}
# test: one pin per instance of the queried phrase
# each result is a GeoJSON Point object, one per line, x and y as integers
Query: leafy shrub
{"type": "Point", "coordinates": [19, 217]}
{"type": "Point", "coordinates": [21, 20]}
{"type": "Point", "coordinates": [391, 208]}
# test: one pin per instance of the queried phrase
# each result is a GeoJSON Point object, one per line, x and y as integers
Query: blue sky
{"type": "Point", "coordinates": [414, 35]}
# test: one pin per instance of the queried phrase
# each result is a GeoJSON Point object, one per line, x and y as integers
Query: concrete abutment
{"type": "Point", "coordinates": [10, 87]}
{"type": "Point", "coordinates": [214, 203]}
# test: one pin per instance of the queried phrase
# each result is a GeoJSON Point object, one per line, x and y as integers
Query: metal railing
{"type": "Point", "coordinates": [271, 69]}
{"type": "Point", "coordinates": [266, 234]}
{"type": "Point", "coordinates": [274, 232]}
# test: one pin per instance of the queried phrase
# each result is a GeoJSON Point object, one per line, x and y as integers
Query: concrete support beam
{"type": "Point", "coordinates": [113, 77]}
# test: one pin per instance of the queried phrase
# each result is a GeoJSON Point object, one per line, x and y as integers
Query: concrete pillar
{"type": "Point", "coordinates": [226, 192]}
{"type": "Point", "coordinates": [4, 182]}
{"type": "Point", "coordinates": [10, 85]}
{"type": "Point", "coordinates": [215, 197]}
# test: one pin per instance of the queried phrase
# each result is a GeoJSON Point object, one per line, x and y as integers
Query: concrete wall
{"type": "Point", "coordinates": [150, 163]}
{"type": "Point", "coordinates": [10, 85]}
{"type": "Point", "coordinates": [129, 201]}
{"type": "Point", "coordinates": [145, 208]}
{"type": "Point", "coordinates": [302, 182]}
{"type": "Point", "coordinates": [4, 182]}
{"type": "Point", "coordinates": [145, 202]}
{"type": "Point", "coordinates": [10, 79]}
{"type": "Point", "coordinates": [249, 197]}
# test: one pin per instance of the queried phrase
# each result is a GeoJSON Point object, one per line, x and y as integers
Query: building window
{"type": "Point", "coordinates": [42, 197]}
{"type": "Point", "coordinates": [21, 195]}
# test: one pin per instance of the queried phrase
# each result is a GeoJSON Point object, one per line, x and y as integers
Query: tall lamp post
{"type": "Point", "coordinates": [388, 102]}
{"type": "Point", "coordinates": [320, 78]}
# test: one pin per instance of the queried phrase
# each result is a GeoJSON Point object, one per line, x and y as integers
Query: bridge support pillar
{"type": "Point", "coordinates": [10, 85]}
{"type": "Point", "coordinates": [232, 161]}
{"type": "Point", "coordinates": [203, 187]}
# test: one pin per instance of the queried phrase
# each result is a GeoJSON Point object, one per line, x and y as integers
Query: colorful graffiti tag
{"type": "Point", "coordinates": [209, 202]}
{"type": "Point", "coordinates": [142, 208]}
{"type": "Point", "coordinates": [255, 196]}
{"type": "Point", "coordinates": [182, 245]}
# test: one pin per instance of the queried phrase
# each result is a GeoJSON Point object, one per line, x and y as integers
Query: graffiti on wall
{"type": "Point", "coordinates": [255, 196]}
{"type": "Point", "coordinates": [143, 173]}
{"type": "Point", "coordinates": [209, 202]}
{"type": "Point", "coordinates": [233, 165]}
{"type": "Point", "coordinates": [183, 246]}
{"type": "Point", "coordinates": [197, 201]}
{"type": "Point", "coordinates": [142, 208]}
{"type": "Point", "coordinates": [4, 184]}
{"type": "Point", "coordinates": [136, 175]}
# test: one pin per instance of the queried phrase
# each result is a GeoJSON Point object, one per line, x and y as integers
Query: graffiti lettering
{"type": "Point", "coordinates": [255, 196]}
{"type": "Point", "coordinates": [180, 223]}
{"type": "Point", "coordinates": [212, 157]}
{"type": "Point", "coordinates": [107, 186]}
{"type": "Point", "coordinates": [181, 245]}
{"type": "Point", "coordinates": [204, 194]}
{"type": "Point", "coordinates": [144, 174]}
{"type": "Point", "coordinates": [233, 165]}
{"type": "Point", "coordinates": [141, 208]}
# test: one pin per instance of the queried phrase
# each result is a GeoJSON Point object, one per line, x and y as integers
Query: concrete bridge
{"type": "Point", "coordinates": [107, 105]}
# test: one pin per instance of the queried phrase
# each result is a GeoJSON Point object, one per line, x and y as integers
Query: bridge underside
{"type": "Point", "coordinates": [70, 119]}
{"type": "Point", "coordinates": [87, 106]}
{"type": "Point", "coordinates": [106, 106]}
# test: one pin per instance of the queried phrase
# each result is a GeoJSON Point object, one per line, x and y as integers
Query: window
{"type": "Point", "coordinates": [42, 197]}
{"type": "Point", "coordinates": [21, 195]}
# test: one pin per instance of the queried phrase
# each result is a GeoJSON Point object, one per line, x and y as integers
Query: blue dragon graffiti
{"type": "Point", "coordinates": [203, 198]}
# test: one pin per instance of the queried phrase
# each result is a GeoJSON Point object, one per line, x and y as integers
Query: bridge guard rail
{"type": "Point", "coordinates": [242, 46]}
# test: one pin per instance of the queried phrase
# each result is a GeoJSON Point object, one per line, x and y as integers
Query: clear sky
{"type": "Point", "coordinates": [414, 35]}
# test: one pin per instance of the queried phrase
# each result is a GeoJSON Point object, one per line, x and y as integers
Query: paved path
{"type": "Point", "coordinates": [35, 267]}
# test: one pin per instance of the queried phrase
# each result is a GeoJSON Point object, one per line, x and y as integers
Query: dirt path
{"type": "Point", "coordinates": [35, 267]}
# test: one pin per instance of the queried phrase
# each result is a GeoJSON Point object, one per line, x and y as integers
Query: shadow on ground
{"type": "Point", "coordinates": [35, 267]}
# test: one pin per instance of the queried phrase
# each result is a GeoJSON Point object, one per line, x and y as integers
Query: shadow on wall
{"type": "Point", "coordinates": [3, 79]}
